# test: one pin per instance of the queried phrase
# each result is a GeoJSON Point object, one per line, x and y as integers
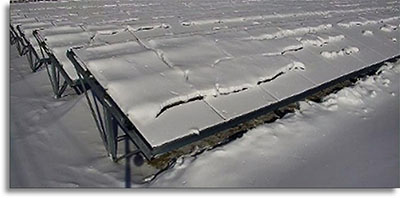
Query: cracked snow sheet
{"type": "Point", "coordinates": [177, 68]}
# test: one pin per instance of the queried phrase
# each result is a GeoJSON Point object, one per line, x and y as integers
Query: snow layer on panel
{"type": "Point", "coordinates": [358, 33]}
{"type": "Point", "coordinates": [242, 44]}
{"type": "Point", "coordinates": [160, 81]}
{"type": "Point", "coordinates": [71, 39]}
{"type": "Point", "coordinates": [235, 74]}
{"type": "Point", "coordinates": [335, 47]}
{"type": "Point", "coordinates": [62, 38]}
{"type": "Point", "coordinates": [59, 53]}
{"type": "Point", "coordinates": [364, 53]}
{"type": "Point", "coordinates": [151, 84]}
{"type": "Point", "coordinates": [187, 52]}
{"type": "Point", "coordinates": [21, 21]}
{"type": "Point", "coordinates": [95, 28]}
{"type": "Point", "coordinates": [28, 29]}
{"type": "Point", "coordinates": [66, 29]}
{"type": "Point", "coordinates": [236, 104]}
{"type": "Point", "coordinates": [184, 120]}
{"type": "Point", "coordinates": [342, 57]}
{"type": "Point", "coordinates": [290, 84]}
{"type": "Point", "coordinates": [317, 69]}
{"type": "Point", "coordinates": [339, 54]}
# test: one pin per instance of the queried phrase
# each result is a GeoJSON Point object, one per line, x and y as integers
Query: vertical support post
{"type": "Point", "coordinates": [13, 38]}
{"type": "Point", "coordinates": [19, 47]}
{"type": "Point", "coordinates": [127, 164]}
{"type": "Point", "coordinates": [53, 76]}
{"type": "Point", "coordinates": [29, 56]}
{"type": "Point", "coordinates": [111, 129]}
{"type": "Point", "coordinates": [33, 58]}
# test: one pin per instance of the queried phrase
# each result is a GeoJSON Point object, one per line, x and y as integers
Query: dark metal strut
{"type": "Point", "coordinates": [58, 77]}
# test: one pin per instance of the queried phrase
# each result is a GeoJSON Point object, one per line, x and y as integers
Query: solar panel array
{"type": "Point", "coordinates": [176, 68]}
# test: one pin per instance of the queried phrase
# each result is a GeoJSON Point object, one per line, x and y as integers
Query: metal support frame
{"type": "Point", "coordinates": [130, 130]}
{"type": "Point", "coordinates": [111, 132]}
{"type": "Point", "coordinates": [111, 118]}
{"type": "Point", "coordinates": [13, 37]}
{"type": "Point", "coordinates": [17, 40]}
{"type": "Point", "coordinates": [25, 47]}
{"type": "Point", "coordinates": [58, 77]}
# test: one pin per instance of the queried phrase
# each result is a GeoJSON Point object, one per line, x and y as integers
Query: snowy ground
{"type": "Point", "coordinates": [349, 140]}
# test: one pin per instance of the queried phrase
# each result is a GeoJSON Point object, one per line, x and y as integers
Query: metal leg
{"type": "Point", "coordinates": [19, 46]}
{"type": "Point", "coordinates": [127, 164]}
{"type": "Point", "coordinates": [58, 78]}
{"type": "Point", "coordinates": [17, 40]}
{"type": "Point", "coordinates": [54, 79]}
{"type": "Point", "coordinates": [111, 130]}
{"type": "Point", "coordinates": [25, 49]}
{"type": "Point", "coordinates": [13, 38]}
{"type": "Point", "coordinates": [58, 83]}
{"type": "Point", "coordinates": [29, 56]}
{"type": "Point", "coordinates": [107, 125]}
{"type": "Point", "coordinates": [114, 114]}
{"type": "Point", "coordinates": [33, 58]}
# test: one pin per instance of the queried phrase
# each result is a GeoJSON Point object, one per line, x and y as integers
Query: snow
{"type": "Point", "coordinates": [213, 65]}
{"type": "Point", "coordinates": [342, 52]}
{"type": "Point", "coordinates": [53, 143]}
{"type": "Point", "coordinates": [199, 63]}
{"type": "Point", "coordinates": [226, 105]}
{"type": "Point", "coordinates": [176, 69]}
{"type": "Point", "coordinates": [349, 140]}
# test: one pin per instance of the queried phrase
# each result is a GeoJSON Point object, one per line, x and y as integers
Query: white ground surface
{"type": "Point", "coordinates": [349, 140]}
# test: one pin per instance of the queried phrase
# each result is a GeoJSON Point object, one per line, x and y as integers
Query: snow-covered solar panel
{"type": "Point", "coordinates": [177, 68]}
